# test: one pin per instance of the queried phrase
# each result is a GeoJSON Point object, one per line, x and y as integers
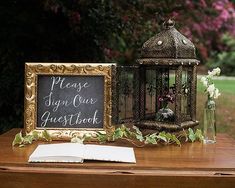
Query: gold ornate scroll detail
{"type": "Point", "coordinates": [32, 70]}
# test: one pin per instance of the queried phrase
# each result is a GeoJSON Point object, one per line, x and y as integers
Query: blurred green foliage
{"type": "Point", "coordinates": [226, 58]}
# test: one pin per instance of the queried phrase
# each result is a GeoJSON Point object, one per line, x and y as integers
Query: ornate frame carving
{"type": "Point", "coordinates": [32, 70]}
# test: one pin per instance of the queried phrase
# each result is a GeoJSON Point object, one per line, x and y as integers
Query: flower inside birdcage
{"type": "Point", "coordinates": [165, 99]}
{"type": "Point", "coordinates": [165, 113]}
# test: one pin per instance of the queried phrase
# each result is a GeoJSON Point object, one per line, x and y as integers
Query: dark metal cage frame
{"type": "Point", "coordinates": [168, 51]}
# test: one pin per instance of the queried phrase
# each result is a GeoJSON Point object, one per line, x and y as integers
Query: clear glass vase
{"type": "Point", "coordinates": [209, 124]}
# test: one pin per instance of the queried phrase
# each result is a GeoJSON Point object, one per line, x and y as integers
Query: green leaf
{"type": "Point", "coordinates": [126, 131]}
{"type": "Point", "coordinates": [123, 127]}
{"type": "Point", "coordinates": [151, 139]}
{"type": "Point", "coordinates": [102, 137]}
{"type": "Point", "coordinates": [125, 134]}
{"type": "Point", "coordinates": [46, 135]}
{"type": "Point", "coordinates": [28, 139]}
{"type": "Point", "coordinates": [137, 130]}
{"type": "Point", "coordinates": [199, 135]}
{"type": "Point", "coordinates": [191, 135]}
{"type": "Point", "coordinates": [138, 134]}
{"type": "Point", "coordinates": [118, 133]}
{"type": "Point", "coordinates": [176, 140]}
{"type": "Point", "coordinates": [18, 139]}
{"type": "Point", "coordinates": [162, 136]}
{"type": "Point", "coordinates": [139, 137]}
{"type": "Point", "coordinates": [163, 133]}
{"type": "Point", "coordinates": [35, 135]}
{"type": "Point", "coordinates": [168, 137]}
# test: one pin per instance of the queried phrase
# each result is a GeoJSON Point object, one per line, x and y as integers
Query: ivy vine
{"type": "Point", "coordinates": [136, 137]}
{"type": "Point", "coordinates": [21, 140]}
{"type": "Point", "coordinates": [132, 135]}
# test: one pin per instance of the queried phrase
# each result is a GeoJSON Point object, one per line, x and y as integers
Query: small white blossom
{"type": "Point", "coordinates": [210, 90]}
{"type": "Point", "coordinates": [217, 71]}
{"type": "Point", "coordinates": [210, 74]}
{"type": "Point", "coordinates": [216, 93]}
{"type": "Point", "coordinates": [214, 72]}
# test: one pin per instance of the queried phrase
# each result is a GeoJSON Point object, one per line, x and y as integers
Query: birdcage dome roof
{"type": "Point", "coordinates": [169, 43]}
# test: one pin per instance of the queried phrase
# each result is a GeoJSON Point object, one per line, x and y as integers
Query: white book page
{"type": "Point", "coordinates": [109, 153]}
{"type": "Point", "coordinates": [71, 152]}
{"type": "Point", "coordinates": [74, 152]}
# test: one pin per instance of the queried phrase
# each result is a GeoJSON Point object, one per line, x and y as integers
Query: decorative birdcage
{"type": "Point", "coordinates": [160, 91]}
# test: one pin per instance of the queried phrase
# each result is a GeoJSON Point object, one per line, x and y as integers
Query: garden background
{"type": "Point", "coordinates": [111, 31]}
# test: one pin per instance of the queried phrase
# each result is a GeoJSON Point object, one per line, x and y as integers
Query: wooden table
{"type": "Point", "coordinates": [191, 165]}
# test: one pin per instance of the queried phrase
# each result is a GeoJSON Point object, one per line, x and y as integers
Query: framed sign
{"type": "Point", "coordinates": [68, 99]}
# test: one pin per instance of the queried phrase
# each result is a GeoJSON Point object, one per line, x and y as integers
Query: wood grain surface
{"type": "Point", "coordinates": [191, 165]}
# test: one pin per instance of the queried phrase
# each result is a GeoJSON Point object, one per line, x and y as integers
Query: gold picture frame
{"type": "Point", "coordinates": [33, 70]}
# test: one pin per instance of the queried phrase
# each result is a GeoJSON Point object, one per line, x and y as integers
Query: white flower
{"type": "Point", "coordinates": [217, 71]}
{"type": "Point", "coordinates": [211, 89]}
{"type": "Point", "coordinates": [204, 81]}
{"type": "Point", "coordinates": [208, 83]}
{"type": "Point", "coordinates": [214, 72]}
{"type": "Point", "coordinates": [216, 93]}
{"type": "Point", "coordinates": [210, 73]}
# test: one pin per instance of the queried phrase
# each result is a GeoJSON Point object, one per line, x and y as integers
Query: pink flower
{"type": "Point", "coordinates": [175, 14]}
{"type": "Point", "coordinates": [225, 15]}
{"type": "Point", "coordinates": [203, 3]}
{"type": "Point", "coordinates": [160, 99]}
{"type": "Point", "coordinates": [190, 4]}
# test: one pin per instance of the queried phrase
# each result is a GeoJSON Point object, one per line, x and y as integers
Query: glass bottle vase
{"type": "Point", "coordinates": [209, 124]}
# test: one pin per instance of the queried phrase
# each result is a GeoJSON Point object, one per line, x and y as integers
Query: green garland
{"type": "Point", "coordinates": [136, 137]}
{"type": "Point", "coordinates": [132, 135]}
{"type": "Point", "coordinates": [21, 140]}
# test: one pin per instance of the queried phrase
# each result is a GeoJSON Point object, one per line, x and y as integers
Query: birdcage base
{"type": "Point", "coordinates": [160, 126]}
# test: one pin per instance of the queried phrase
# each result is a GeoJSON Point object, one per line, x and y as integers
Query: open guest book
{"type": "Point", "coordinates": [77, 153]}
